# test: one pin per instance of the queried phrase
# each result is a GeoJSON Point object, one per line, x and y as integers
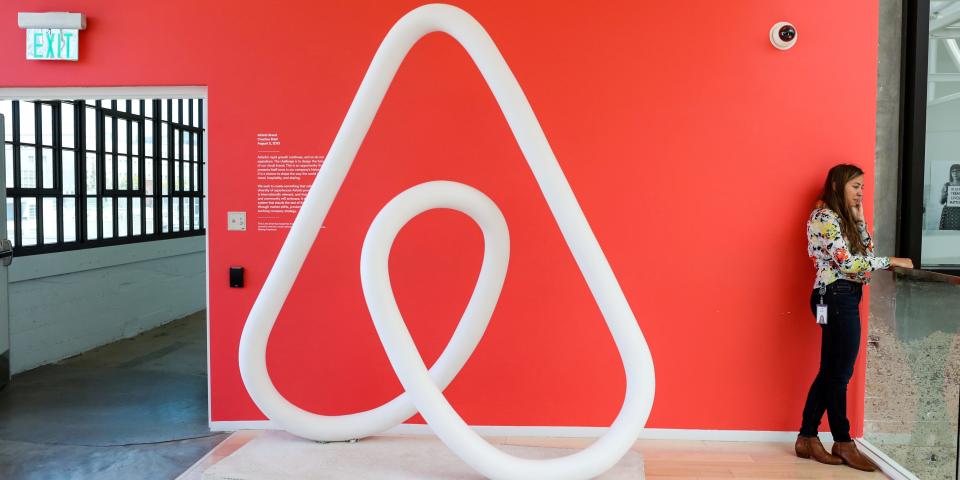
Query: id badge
{"type": "Point", "coordinates": [821, 314]}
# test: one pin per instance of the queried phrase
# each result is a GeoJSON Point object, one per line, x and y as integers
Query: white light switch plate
{"type": "Point", "coordinates": [237, 221]}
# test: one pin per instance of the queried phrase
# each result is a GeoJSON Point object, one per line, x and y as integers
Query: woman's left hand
{"type": "Point", "coordinates": [857, 212]}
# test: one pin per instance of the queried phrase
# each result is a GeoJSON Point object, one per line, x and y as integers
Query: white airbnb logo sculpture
{"type": "Point", "coordinates": [424, 388]}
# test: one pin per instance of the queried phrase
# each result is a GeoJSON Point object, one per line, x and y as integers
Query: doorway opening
{"type": "Point", "coordinates": [104, 197]}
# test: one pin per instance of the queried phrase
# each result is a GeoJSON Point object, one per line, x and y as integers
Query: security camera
{"type": "Point", "coordinates": [783, 35]}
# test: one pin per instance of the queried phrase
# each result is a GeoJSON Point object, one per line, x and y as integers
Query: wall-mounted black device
{"type": "Point", "coordinates": [236, 277]}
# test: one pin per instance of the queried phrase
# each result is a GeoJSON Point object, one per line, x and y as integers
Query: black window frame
{"type": "Point", "coordinates": [913, 131]}
{"type": "Point", "coordinates": [135, 194]}
{"type": "Point", "coordinates": [38, 192]}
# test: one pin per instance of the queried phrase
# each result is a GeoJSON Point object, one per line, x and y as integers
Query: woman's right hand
{"type": "Point", "coordinates": [901, 262]}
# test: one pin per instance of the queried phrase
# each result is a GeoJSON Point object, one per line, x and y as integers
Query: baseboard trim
{"type": "Point", "coordinates": [574, 432]}
{"type": "Point", "coordinates": [887, 465]}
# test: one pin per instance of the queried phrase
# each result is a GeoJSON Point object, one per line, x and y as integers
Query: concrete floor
{"type": "Point", "coordinates": [133, 409]}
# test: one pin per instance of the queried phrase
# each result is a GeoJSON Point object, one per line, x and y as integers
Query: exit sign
{"type": "Point", "coordinates": [53, 44]}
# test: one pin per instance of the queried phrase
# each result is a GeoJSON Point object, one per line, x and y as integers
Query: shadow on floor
{"type": "Point", "coordinates": [133, 409]}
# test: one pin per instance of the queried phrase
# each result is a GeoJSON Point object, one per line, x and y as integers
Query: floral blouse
{"type": "Point", "coordinates": [828, 250]}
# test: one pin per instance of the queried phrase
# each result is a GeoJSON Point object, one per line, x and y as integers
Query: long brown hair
{"type": "Point", "coordinates": [833, 198]}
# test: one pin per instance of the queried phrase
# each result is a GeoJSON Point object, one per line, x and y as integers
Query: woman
{"type": "Point", "coordinates": [950, 217]}
{"type": "Point", "coordinates": [842, 250]}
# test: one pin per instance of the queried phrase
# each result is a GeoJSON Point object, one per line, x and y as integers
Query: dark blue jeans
{"type": "Point", "coordinates": [839, 345]}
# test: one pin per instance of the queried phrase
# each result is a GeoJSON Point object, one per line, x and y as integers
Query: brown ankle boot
{"type": "Point", "coordinates": [810, 447]}
{"type": "Point", "coordinates": [852, 457]}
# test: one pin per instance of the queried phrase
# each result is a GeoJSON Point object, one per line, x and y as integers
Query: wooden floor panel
{"type": "Point", "coordinates": [665, 459]}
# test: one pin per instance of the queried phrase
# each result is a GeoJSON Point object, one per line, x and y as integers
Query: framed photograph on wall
{"type": "Point", "coordinates": [941, 219]}
{"type": "Point", "coordinates": [942, 211]}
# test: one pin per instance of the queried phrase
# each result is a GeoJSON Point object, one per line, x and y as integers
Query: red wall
{"type": "Point", "coordinates": [694, 147]}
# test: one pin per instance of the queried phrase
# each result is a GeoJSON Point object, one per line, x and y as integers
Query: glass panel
{"type": "Point", "coordinates": [176, 214]}
{"type": "Point", "coordinates": [107, 217]}
{"type": "Point", "coordinates": [148, 107]}
{"type": "Point", "coordinates": [48, 173]}
{"type": "Point", "coordinates": [196, 213]}
{"type": "Point", "coordinates": [148, 138]}
{"type": "Point", "coordinates": [196, 112]}
{"type": "Point", "coordinates": [11, 225]}
{"type": "Point", "coordinates": [941, 210]}
{"type": "Point", "coordinates": [164, 114]}
{"type": "Point", "coordinates": [28, 126]}
{"type": "Point", "coordinates": [135, 108]}
{"type": "Point", "coordinates": [191, 220]}
{"type": "Point", "coordinates": [910, 406]}
{"type": "Point", "coordinates": [122, 217]}
{"type": "Point", "coordinates": [177, 167]}
{"type": "Point", "coordinates": [121, 135]}
{"type": "Point", "coordinates": [164, 144]}
{"type": "Point", "coordinates": [187, 209]}
{"type": "Point", "coordinates": [137, 217]}
{"type": "Point", "coordinates": [68, 134]}
{"type": "Point", "coordinates": [135, 143]}
{"type": "Point", "coordinates": [8, 160]}
{"type": "Point", "coordinates": [186, 146]}
{"type": "Point", "coordinates": [69, 172]}
{"type": "Point", "coordinates": [177, 145]}
{"type": "Point", "coordinates": [28, 221]}
{"type": "Point", "coordinates": [164, 177]}
{"type": "Point", "coordinates": [90, 128]}
{"type": "Point", "coordinates": [135, 175]}
{"type": "Point", "coordinates": [164, 216]}
{"type": "Point", "coordinates": [69, 219]}
{"type": "Point", "coordinates": [122, 172]}
{"type": "Point", "coordinates": [108, 134]}
{"type": "Point", "coordinates": [92, 219]}
{"type": "Point", "coordinates": [6, 109]}
{"type": "Point", "coordinates": [28, 167]}
{"type": "Point", "coordinates": [149, 211]}
{"type": "Point", "coordinates": [175, 114]}
{"type": "Point", "coordinates": [121, 105]}
{"type": "Point", "coordinates": [108, 172]}
{"type": "Point", "coordinates": [194, 144]}
{"type": "Point", "coordinates": [46, 124]}
{"type": "Point", "coordinates": [196, 179]}
{"type": "Point", "coordinates": [148, 176]}
{"type": "Point", "coordinates": [49, 220]}
{"type": "Point", "coordinates": [91, 177]}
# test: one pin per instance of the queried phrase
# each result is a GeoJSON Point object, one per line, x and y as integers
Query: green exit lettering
{"type": "Point", "coordinates": [52, 44]}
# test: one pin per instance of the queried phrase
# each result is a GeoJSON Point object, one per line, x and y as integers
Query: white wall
{"type": "Point", "coordinates": [65, 303]}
